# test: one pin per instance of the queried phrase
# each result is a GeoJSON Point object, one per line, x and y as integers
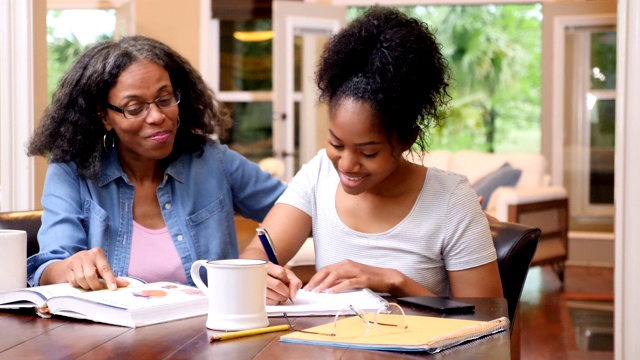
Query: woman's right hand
{"type": "Point", "coordinates": [87, 269]}
{"type": "Point", "coordinates": [282, 284]}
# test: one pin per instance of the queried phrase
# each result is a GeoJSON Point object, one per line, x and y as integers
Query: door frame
{"type": "Point", "coordinates": [291, 19]}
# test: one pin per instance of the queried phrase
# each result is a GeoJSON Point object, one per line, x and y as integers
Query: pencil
{"type": "Point", "coordinates": [243, 333]}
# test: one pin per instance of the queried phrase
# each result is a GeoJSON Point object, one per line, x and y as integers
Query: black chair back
{"type": "Point", "coordinates": [515, 245]}
{"type": "Point", "coordinates": [28, 221]}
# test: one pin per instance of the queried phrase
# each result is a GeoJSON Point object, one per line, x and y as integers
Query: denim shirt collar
{"type": "Point", "coordinates": [111, 169]}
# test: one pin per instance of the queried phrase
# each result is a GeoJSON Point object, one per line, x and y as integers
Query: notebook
{"type": "Point", "coordinates": [309, 303]}
{"type": "Point", "coordinates": [423, 334]}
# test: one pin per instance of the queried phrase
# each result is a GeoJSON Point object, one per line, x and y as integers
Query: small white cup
{"type": "Point", "coordinates": [237, 293]}
{"type": "Point", "coordinates": [13, 259]}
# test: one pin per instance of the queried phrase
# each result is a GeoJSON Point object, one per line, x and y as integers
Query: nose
{"type": "Point", "coordinates": [155, 114]}
{"type": "Point", "coordinates": [349, 162]}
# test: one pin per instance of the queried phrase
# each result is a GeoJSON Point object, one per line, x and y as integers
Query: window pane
{"type": "Point", "coordinates": [251, 133]}
{"type": "Point", "coordinates": [603, 117]}
{"type": "Point", "coordinates": [494, 54]}
{"type": "Point", "coordinates": [603, 60]}
{"type": "Point", "coordinates": [245, 55]}
{"type": "Point", "coordinates": [69, 34]}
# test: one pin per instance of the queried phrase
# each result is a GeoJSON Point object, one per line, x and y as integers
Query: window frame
{"type": "Point", "coordinates": [579, 194]}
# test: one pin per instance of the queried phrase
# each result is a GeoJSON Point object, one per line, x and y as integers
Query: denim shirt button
{"type": "Point", "coordinates": [180, 237]}
{"type": "Point", "coordinates": [167, 206]}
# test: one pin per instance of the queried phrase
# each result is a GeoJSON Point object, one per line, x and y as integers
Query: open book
{"type": "Point", "coordinates": [423, 333]}
{"type": "Point", "coordinates": [308, 303]}
{"type": "Point", "coordinates": [136, 305]}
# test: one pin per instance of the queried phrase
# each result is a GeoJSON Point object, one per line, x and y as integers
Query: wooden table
{"type": "Point", "coordinates": [24, 335]}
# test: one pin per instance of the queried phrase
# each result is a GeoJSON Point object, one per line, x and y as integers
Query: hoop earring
{"type": "Point", "coordinates": [104, 141]}
{"type": "Point", "coordinates": [178, 121]}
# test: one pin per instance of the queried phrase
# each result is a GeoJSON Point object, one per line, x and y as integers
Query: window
{"type": "Point", "coordinates": [494, 55]}
{"type": "Point", "coordinates": [69, 33]}
{"type": "Point", "coordinates": [482, 120]}
{"type": "Point", "coordinates": [244, 82]}
{"type": "Point", "coordinates": [591, 80]}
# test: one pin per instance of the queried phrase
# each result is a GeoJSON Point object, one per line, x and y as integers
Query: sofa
{"type": "Point", "coordinates": [516, 188]}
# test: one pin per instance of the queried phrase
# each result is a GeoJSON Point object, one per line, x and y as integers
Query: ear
{"type": "Point", "coordinates": [105, 119]}
{"type": "Point", "coordinates": [414, 136]}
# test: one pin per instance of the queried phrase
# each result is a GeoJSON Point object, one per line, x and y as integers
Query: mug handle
{"type": "Point", "coordinates": [195, 274]}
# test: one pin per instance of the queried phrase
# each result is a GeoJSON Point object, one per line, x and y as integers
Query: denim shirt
{"type": "Point", "coordinates": [198, 198]}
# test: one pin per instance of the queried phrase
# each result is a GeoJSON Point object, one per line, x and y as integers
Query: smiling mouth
{"type": "Point", "coordinates": [161, 136]}
{"type": "Point", "coordinates": [351, 178]}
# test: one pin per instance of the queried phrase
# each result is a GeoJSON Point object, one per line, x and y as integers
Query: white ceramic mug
{"type": "Point", "coordinates": [237, 293]}
{"type": "Point", "coordinates": [13, 259]}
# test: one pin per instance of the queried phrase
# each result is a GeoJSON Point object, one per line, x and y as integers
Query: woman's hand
{"type": "Point", "coordinates": [347, 274]}
{"type": "Point", "coordinates": [87, 269]}
{"type": "Point", "coordinates": [282, 284]}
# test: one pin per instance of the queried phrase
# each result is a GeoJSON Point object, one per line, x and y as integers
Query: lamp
{"type": "Point", "coordinates": [253, 36]}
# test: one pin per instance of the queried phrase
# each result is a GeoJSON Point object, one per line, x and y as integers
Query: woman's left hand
{"type": "Point", "coordinates": [347, 274]}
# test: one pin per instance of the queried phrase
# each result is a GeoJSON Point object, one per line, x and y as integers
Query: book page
{"type": "Point", "coordinates": [35, 296]}
{"type": "Point", "coordinates": [38, 295]}
{"type": "Point", "coordinates": [134, 306]}
{"type": "Point", "coordinates": [308, 303]}
{"type": "Point", "coordinates": [133, 297]}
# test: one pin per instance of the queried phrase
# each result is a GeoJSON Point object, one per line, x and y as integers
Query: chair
{"type": "Point", "coordinates": [515, 245]}
{"type": "Point", "coordinates": [28, 221]}
{"type": "Point", "coordinates": [553, 246]}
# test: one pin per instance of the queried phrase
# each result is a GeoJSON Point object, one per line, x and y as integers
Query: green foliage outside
{"type": "Point", "coordinates": [494, 56]}
{"type": "Point", "coordinates": [62, 52]}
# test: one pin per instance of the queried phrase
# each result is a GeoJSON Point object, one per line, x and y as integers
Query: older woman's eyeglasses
{"type": "Point", "coordinates": [365, 323]}
{"type": "Point", "coordinates": [138, 110]}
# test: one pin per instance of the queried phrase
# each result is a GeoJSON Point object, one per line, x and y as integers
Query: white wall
{"type": "Point", "coordinates": [627, 179]}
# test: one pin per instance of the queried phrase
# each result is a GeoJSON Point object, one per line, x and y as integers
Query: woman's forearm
{"type": "Point", "coordinates": [402, 285]}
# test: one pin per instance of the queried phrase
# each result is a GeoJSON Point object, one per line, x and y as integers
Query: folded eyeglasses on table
{"type": "Point", "coordinates": [368, 321]}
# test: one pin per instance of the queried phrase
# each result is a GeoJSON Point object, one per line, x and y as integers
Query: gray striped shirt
{"type": "Point", "coordinates": [445, 230]}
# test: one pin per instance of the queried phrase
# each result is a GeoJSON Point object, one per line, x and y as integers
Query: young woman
{"type": "Point", "coordinates": [378, 220]}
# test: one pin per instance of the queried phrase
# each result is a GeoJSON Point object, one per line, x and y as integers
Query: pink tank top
{"type": "Point", "coordinates": [154, 257]}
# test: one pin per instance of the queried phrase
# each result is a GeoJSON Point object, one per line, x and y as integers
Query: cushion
{"type": "Point", "coordinates": [533, 166]}
{"type": "Point", "coordinates": [503, 176]}
{"type": "Point", "coordinates": [475, 165]}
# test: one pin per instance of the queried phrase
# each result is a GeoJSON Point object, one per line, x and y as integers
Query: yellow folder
{"type": "Point", "coordinates": [426, 334]}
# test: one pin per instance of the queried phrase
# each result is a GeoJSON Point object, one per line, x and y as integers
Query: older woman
{"type": "Point", "coordinates": [136, 185]}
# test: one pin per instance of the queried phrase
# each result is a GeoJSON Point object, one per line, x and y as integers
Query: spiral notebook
{"type": "Point", "coordinates": [309, 303]}
{"type": "Point", "coordinates": [424, 334]}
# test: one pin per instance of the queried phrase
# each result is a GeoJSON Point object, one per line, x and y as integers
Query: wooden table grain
{"type": "Point", "coordinates": [23, 335]}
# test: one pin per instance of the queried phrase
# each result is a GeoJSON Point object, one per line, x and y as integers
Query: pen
{"type": "Point", "coordinates": [243, 333]}
{"type": "Point", "coordinates": [268, 246]}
